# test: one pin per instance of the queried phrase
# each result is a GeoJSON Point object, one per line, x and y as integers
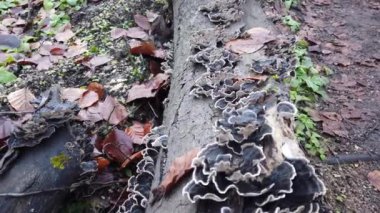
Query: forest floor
{"type": "Point", "coordinates": [346, 34]}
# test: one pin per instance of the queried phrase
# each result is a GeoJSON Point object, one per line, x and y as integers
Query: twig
{"type": "Point", "coordinates": [23, 194]}
{"type": "Point", "coordinates": [352, 158]}
{"type": "Point", "coordinates": [11, 112]}
{"type": "Point", "coordinates": [155, 114]}
{"type": "Point", "coordinates": [118, 199]}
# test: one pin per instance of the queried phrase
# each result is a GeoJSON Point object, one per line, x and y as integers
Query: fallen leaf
{"type": "Point", "coordinates": [154, 67]}
{"type": "Point", "coordinates": [138, 130]}
{"type": "Point", "coordinates": [75, 50]}
{"type": "Point", "coordinates": [92, 114]}
{"type": "Point", "coordinates": [89, 98]}
{"type": "Point", "coordinates": [20, 99]}
{"type": "Point", "coordinates": [6, 128]}
{"type": "Point", "coordinates": [117, 145]}
{"type": "Point", "coordinates": [151, 16]}
{"type": "Point", "coordinates": [178, 169]}
{"type": "Point", "coordinates": [257, 38]}
{"type": "Point", "coordinates": [331, 116]}
{"type": "Point", "coordinates": [96, 61]}
{"type": "Point", "coordinates": [144, 48]}
{"type": "Point", "coordinates": [133, 158]}
{"type": "Point", "coordinates": [148, 89]}
{"type": "Point", "coordinates": [334, 128]}
{"type": "Point", "coordinates": [44, 63]}
{"type": "Point", "coordinates": [112, 111]}
{"type": "Point", "coordinates": [136, 32]}
{"type": "Point", "coordinates": [98, 88]}
{"type": "Point", "coordinates": [103, 163]}
{"type": "Point", "coordinates": [118, 33]}
{"type": "Point", "coordinates": [64, 36]}
{"type": "Point", "coordinates": [351, 113]}
{"type": "Point", "coordinates": [6, 76]}
{"type": "Point", "coordinates": [374, 178]}
{"type": "Point", "coordinates": [142, 21]}
{"type": "Point", "coordinates": [72, 94]}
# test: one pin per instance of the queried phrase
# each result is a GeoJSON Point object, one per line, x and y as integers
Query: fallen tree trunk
{"type": "Point", "coordinates": [190, 121]}
{"type": "Point", "coordinates": [33, 172]}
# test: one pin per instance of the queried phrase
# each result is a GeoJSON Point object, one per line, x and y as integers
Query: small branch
{"type": "Point", "coordinates": [23, 194]}
{"type": "Point", "coordinates": [352, 158]}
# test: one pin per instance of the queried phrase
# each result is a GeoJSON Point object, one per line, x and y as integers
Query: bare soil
{"type": "Point", "coordinates": [348, 33]}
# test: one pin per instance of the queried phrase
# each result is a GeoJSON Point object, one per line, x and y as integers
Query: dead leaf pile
{"type": "Point", "coordinates": [138, 130]}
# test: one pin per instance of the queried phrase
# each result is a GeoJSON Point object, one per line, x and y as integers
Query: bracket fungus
{"type": "Point", "coordinates": [139, 185]}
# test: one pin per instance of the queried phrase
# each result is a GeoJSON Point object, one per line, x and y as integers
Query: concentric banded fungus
{"type": "Point", "coordinates": [256, 155]}
{"type": "Point", "coordinates": [214, 59]}
{"type": "Point", "coordinates": [139, 186]}
{"type": "Point", "coordinates": [222, 11]}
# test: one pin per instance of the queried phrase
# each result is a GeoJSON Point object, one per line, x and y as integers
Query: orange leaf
{"type": "Point", "coordinates": [112, 111]}
{"type": "Point", "coordinates": [117, 145]}
{"type": "Point", "coordinates": [98, 88]}
{"type": "Point", "coordinates": [138, 130]}
{"type": "Point", "coordinates": [103, 163]}
{"type": "Point", "coordinates": [133, 158]}
{"type": "Point", "coordinates": [88, 99]}
{"type": "Point", "coordinates": [143, 48]}
{"type": "Point", "coordinates": [179, 168]}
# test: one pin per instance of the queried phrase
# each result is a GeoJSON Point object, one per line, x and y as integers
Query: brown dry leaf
{"type": "Point", "coordinates": [96, 61]}
{"type": "Point", "coordinates": [89, 98]}
{"type": "Point", "coordinates": [334, 128]}
{"type": "Point", "coordinates": [118, 33]}
{"type": "Point", "coordinates": [148, 89]}
{"type": "Point", "coordinates": [98, 88]}
{"type": "Point", "coordinates": [44, 63]}
{"type": "Point", "coordinates": [92, 114]}
{"type": "Point", "coordinates": [374, 178]}
{"type": "Point", "coordinates": [138, 130]}
{"type": "Point", "coordinates": [179, 168]}
{"type": "Point", "coordinates": [331, 116]}
{"type": "Point", "coordinates": [142, 21]}
{"type": "Point", "coordinates": [6, 128]}
{"type": "Point", "coordinates": [72, 94]}
{"type": "Point", "coordinates": [136, 32]}
{"type": "Point", "coordinates": [117, 145]}
{"type": "Point", "coordinates": [154, 67]}
{"type": "Point", "coordinates": [20, 100]}
{"type": "Point", "coordinates": [144, 48]}
{"type": "Point", "coordinates": [133, 158]}
{"type": "Point", "coordinates": [103, 163]}
{"type": "Point", "coordinates": [64, 36]}
{"type": "Point", "coordinates": [112, 111]}
{"type": "Point", "coordinates": [257, 38]}
{"type": "Point", "coordinates": [75, 50]}
{"type": "Point", "coordinates": [151, 16]}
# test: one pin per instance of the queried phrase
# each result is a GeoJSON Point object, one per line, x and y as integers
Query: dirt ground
{"type": "Point", "coordinates": [348, 33]}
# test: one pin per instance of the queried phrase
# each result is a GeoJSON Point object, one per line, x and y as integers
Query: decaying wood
{"type": "Point", "coordinates": [32, 171]}
{"type": "Point", "coordinates": [190, 121]}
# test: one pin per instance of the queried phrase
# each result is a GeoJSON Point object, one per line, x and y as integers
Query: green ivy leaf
{"type": "Point", "coordinates": [290, 22]}
{"type": "Point", "coordinates": [6, 76]}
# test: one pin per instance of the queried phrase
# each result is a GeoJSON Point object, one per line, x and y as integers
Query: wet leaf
{"type": "Point", "coordinates": [112, 111]}
{"type": "Point", "coordinates": [117, 145]}
{"type": "Point", "coordinates": [148, 89]}
{"type": "Point", "coordinates": [98, 88]}
{"type": "Point", "coordinates": [144, 48]}
{"type": "Point", "coordinates": [89, 98]}
{"type": "Point", "coordinates": [72, 94]}
{"type": "Point", "coordinates": [142, 21]}
{"type": "Point", "coordinates": [6, 76]}
{"type": "Point", "coordinates": [179, 168]}
{"type": "Point", "coordinates": [20, 100]}
{"type": "Point", "coordinates": [374, 178]}
{"type": "Point", "coordinates": [103, 163]}
{"type": "Point", "coordinates": [138, 130]}
{"type": "Point", "coordinates": [136, 32]}
{"type": "Point", "coordinates": [96, 61]}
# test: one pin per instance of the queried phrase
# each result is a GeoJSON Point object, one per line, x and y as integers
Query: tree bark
{"type": "Point", "coordinates": [190, 121]}
{"type": "Point", "coordinates": [32, 171]}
